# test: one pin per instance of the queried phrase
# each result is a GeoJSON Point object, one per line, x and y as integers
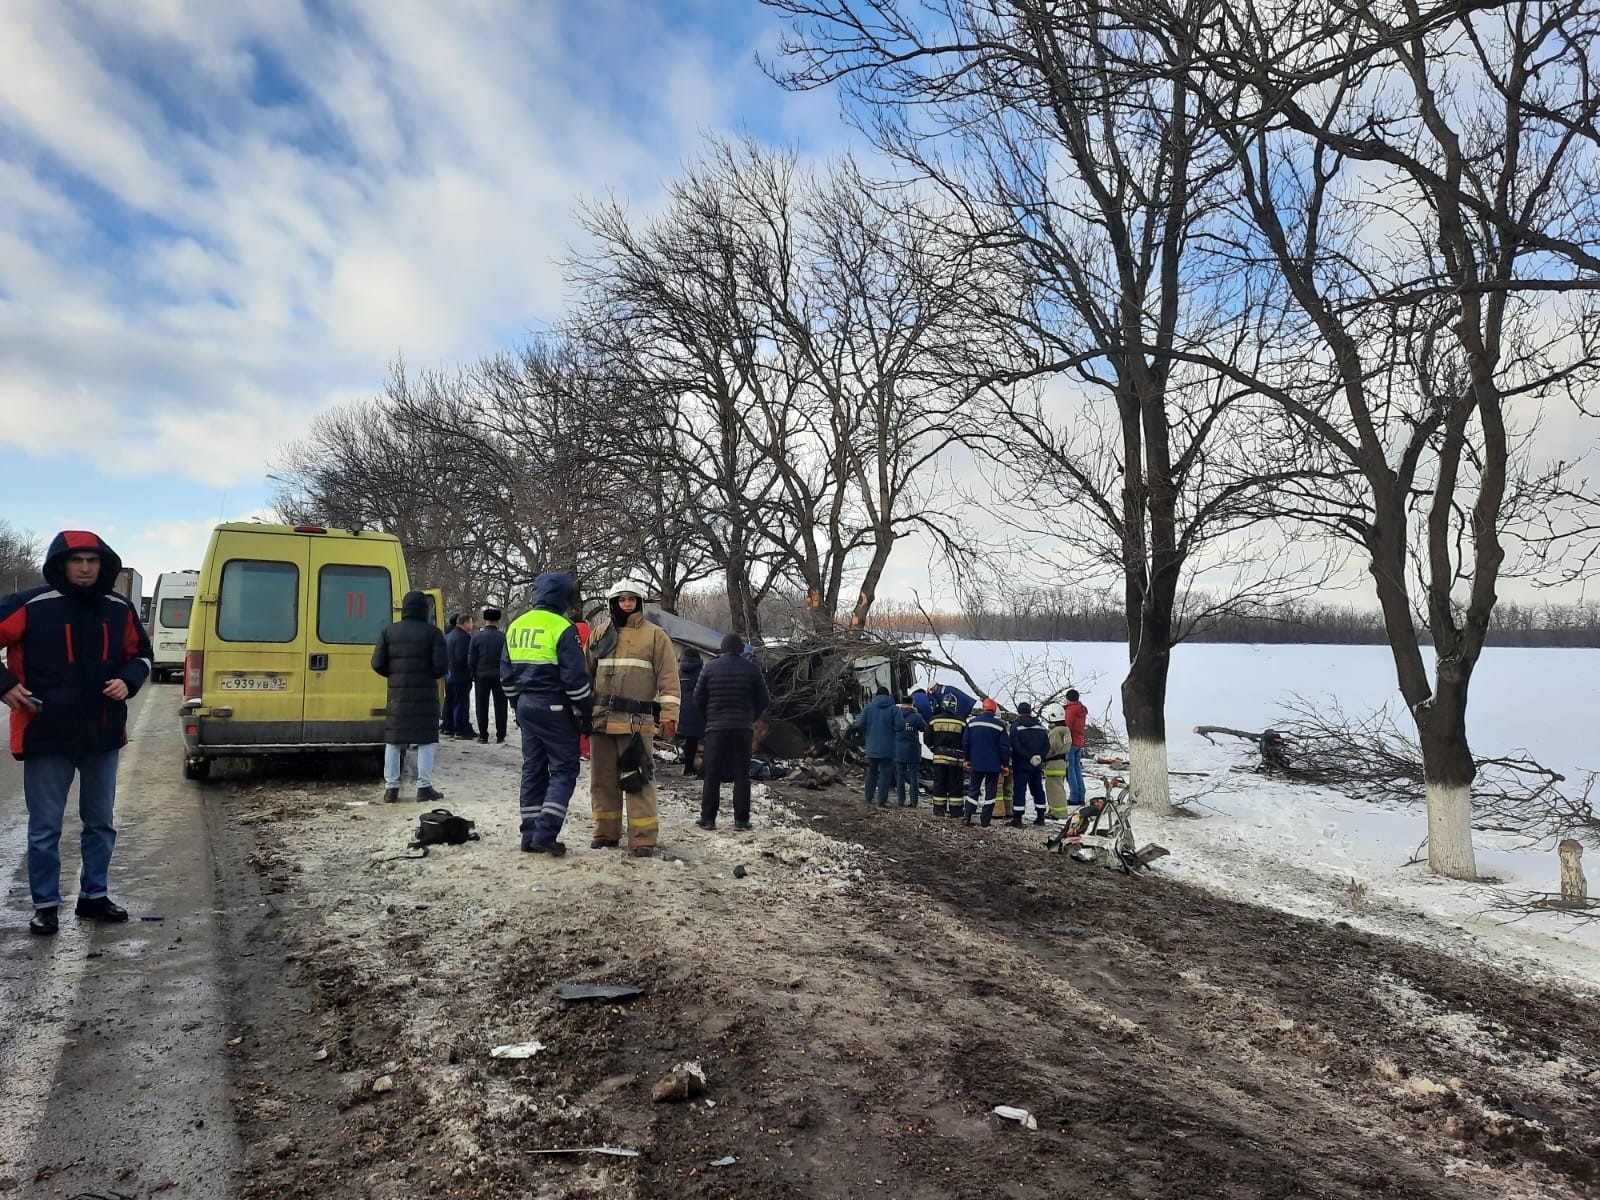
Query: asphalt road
{"type": "Point", "coordinates": [112, 1074]}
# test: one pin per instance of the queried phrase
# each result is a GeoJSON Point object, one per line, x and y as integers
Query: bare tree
{"type": "Point", "coordinates": [800, 335]}
{"type": "Point", "coordinates": [21, 555]}
{"type": "Point", "coordinates": [1098, 180]}
{"type": "Point", "coordinates": [1421, 183]}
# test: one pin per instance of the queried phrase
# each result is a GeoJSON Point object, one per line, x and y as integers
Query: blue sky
{"type": "Point", "coordinates": [218, 219]}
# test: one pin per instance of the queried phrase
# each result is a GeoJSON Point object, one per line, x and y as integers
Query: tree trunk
{"type": "Point", "coordinates": [1448, 770]}
{"type": "Point", "coordinates": [1144, 709]}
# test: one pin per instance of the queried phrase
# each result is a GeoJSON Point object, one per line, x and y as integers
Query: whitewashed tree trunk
{"type": "Point", "coordinates": [1147, 771]}
{"type": "Point", "coordinates": [1450, 830]}
{"type": "Point", "coordinates": [1574, 887]}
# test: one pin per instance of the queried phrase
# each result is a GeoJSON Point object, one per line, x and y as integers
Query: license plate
{"type": "Point", "coordinates": [254, 683]}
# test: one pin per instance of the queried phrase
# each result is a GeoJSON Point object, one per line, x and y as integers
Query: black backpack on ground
{"type": "Point", "coordinates": [441, 827]}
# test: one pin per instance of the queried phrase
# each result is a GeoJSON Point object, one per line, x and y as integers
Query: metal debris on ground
{"type": "Point", "coordinates": [517, 1050]}
{"type": "Point", "coordinates": [726, 1161]}
{"type": "Point", "coordinates": [596, 991]}
{"type": "Point", "coordinates": [1020, 1115]}
{"type": "Point", "coordinates": [615, 1151]}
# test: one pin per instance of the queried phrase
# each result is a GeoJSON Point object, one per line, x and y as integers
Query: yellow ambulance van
{"type": "Point", "coordinates": [279, 659]}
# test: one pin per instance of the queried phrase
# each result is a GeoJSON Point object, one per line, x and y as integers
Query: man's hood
{"type": "Point", "coordinates": [414, 606]}
{"type": "Point", "coordinates": [554, 591]}
{"type": "Point", "coordinates": [881, 702]}
{"type": "Point", "coordinates": [63, 544]}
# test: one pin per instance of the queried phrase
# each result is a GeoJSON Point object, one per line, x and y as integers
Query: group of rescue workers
{"type": "Point", "coordinates": [606, 693]}
{"type": "Point", "coordinates": [981, 756]}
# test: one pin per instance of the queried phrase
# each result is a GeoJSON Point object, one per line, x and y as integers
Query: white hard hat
{"type": "Point", "coordinates": [1055, 713]}
{"type": "Point", "coordinates": [628, 587]}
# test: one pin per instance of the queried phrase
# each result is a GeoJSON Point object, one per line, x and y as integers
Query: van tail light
{"type": "Point", "coordinates": [194, 662]}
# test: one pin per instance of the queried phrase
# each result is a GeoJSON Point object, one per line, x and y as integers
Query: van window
{"type": "Point", "coordinates": [354, 604]}
{"type": "Point", "coordinates": [259, 602]}
{"type": "Point", "coordinates": [175, 612]}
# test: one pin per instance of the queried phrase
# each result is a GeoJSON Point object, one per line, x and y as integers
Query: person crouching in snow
{"type": "Point", "coordinates": [987, 749]}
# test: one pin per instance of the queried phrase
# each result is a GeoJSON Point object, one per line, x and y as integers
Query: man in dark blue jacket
{"type": "Point", "coordinates": [908, 730]}
{"type": "Point", "coordinates": [730, 694]}
{"type": "Point", "coordinates": [483, 665]}
{"type": "Point", "coordinates": [988, 751]}
{"type": "Point", "coordinates": [1030, 744]}
{"type": "Point", "coordinates": [458, 683]}
{"type": "Point", "coordinates": [75, 655]}
{"type": "Point", "coordinates": [543, 669]}
{"type": "Point", "coordinates": [877, 723]}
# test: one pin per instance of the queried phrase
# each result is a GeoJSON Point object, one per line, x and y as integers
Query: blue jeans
{"type": "Point", "coordinates": [45, 781]}
{"type": "Point", "coordinates": [880, 778]}
{"type": "Point", "coordinates": [549, 768]}
{"type": "Point", "coordinates": [1075, 792]}
{"type": "Point", "coordinates": [906, 778]}
{"type": "Point", "coordinates": [394, 757]}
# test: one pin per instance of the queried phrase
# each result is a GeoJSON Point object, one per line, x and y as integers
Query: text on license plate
{"type": "Point", "coordinates": [254, 683]}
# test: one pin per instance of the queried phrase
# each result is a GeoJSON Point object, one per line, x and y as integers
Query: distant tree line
{"type": "Point", "coordinates": [1044, 616]}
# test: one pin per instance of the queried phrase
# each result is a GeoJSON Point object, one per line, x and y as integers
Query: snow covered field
{"type": "Point", "coordinates": [1299, 848]}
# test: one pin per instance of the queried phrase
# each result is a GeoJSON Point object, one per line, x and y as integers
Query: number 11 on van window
{"type": "Point", "coordinates": [355, 604]}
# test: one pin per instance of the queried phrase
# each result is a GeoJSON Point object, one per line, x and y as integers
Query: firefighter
{"type": "Point", "coordinates": [1030, 743]}
{"type": "Point", "coordinates": [987, 747]}
{"type": "Point", "coordinates": [1055, 761]}
{"type": "Point", "coordinates": [636, 693]}
{"type": "Point", "coordinates": [944, 740]}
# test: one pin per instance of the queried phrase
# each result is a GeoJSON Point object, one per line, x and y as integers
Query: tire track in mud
{"type": "Point", "coordinates": [857, 1018]}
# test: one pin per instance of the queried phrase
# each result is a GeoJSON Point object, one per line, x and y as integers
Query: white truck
{"type": "Point", "coordinates": [169, 621]}
{"type": "Point", "coordinates": [130, 585]}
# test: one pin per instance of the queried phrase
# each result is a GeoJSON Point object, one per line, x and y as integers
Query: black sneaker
{"type": "Point", "coordinates": [604, 843]}
{"type": "Point", "coordinates": [45, 921]}
{"type": "Point", "coordinates": [553, 849]}
{"type": "Point", "coordinates": [484, 740]}
{"type": "Point", "coordinates": [100, 909]}
{"type": "Point", "coordinates": [707, 822]}
{"type": "Point", "coordinates": [501, 740]}
{"type": "Point", "coordinates": [424, 794]}
{"type": "Point", "coordinates": [390, 795]}
{"type": "Point", "coordinates": [743, 826]}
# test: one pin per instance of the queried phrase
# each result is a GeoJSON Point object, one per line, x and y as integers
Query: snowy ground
{"type": "Point", "coordinates": [1301, 848]}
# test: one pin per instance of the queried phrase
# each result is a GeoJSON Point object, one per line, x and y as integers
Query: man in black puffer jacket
{"type": "Point", "coordinates": [731, 694]}
{"type": "Point", "coordinates": [410, 654]}
{"type": "Point", "coordinates": [75, 655]}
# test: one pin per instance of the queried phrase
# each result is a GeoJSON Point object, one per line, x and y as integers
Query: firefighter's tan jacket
{"type": "Point", "coordinates": [642, 667]}
{"type": "Point", "coordinates": [1055, 762]}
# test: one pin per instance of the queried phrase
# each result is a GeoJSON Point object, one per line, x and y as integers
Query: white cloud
{"type": "Point", "coordinates": [218, 218]}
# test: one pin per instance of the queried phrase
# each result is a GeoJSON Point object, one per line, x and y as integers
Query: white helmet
{"type": "Point", "coordinates": [1055, 714]}
{"type": "Point", "coordinates": [628, 587]}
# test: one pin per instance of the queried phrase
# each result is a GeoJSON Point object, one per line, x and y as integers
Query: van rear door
{"type": "Point", "coordinates": [352, 602]}
{"type": "Point", "coordinates": [255, 666]}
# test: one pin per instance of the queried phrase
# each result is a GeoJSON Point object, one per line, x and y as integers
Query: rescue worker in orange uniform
{"type": "Point", "coordinates": [636, 692]}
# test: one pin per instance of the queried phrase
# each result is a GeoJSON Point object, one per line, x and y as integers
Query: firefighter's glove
{"type": "Point", "coordinates": [669, 728]}
{"type": "Point", "coordinates": [1005, 770]}
{"type": "Point", "coordinates": [1035, 761]}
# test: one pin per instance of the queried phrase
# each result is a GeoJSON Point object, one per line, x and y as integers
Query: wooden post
{"type": "Point", "coordinates": [1574, 888]}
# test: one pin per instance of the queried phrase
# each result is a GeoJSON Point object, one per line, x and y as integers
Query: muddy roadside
{"type": "Point", "coordinates": [859, 1001]}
